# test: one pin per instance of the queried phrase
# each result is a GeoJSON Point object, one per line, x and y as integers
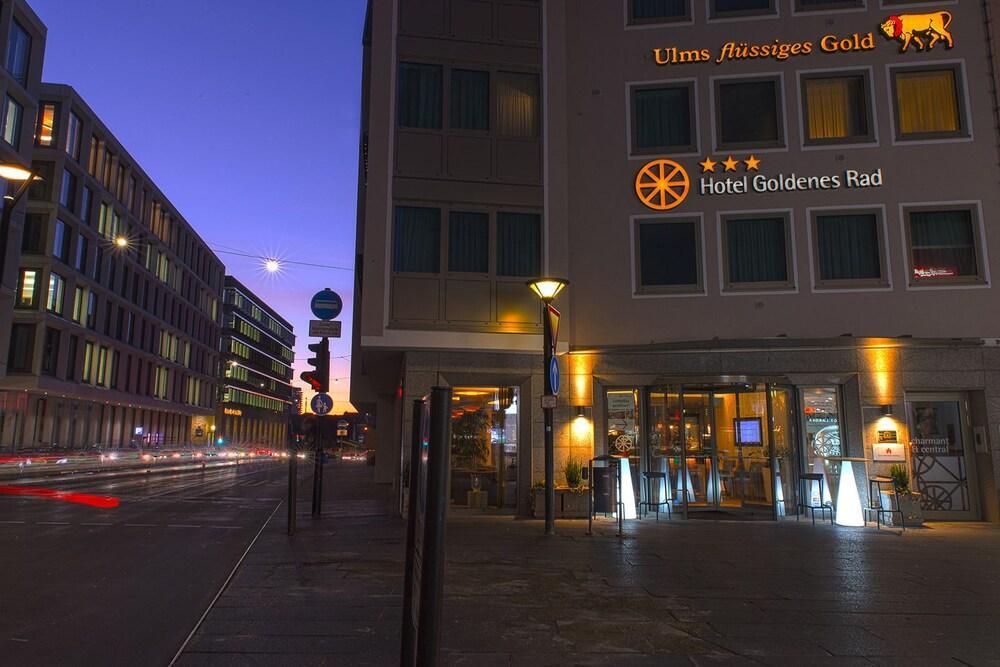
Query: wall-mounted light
{"type": "Point", "coordinates": [886, 410]}
{"type": "Point", "coordinates": [583, 412]}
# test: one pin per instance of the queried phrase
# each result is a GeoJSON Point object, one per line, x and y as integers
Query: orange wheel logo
{"type": "Point", "coordinates": [662, 185]}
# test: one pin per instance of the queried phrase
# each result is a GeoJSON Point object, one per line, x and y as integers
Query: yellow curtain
{"type": "Point", "coordinates": [828, 108]}
{"type": "Point", "coordinates": [927, 102]}
{"type": "Point", "coordinates": [517, 105]}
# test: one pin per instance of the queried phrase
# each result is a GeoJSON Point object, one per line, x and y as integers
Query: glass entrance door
{"type": "Point", "coordinates": [940, 457]}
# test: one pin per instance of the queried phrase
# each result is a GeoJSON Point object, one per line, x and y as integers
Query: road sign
{"type": "Point", "coordinates": [321, 404]}
{"type": "Point", "coordinates": [554, 376]}
{"type": "Point", "coordinates": [548, 402]}
{"type": "Point", "coordinates": [326, 304]}
{"type": "Point", "coordinates": [324, 328]}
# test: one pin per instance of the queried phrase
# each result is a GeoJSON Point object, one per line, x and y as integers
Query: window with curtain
{"type": "Point", "coordinates": [748, 113]}
{"type": "Point", "coordinates": [662, 118]}
{"type": "Point", "coordinates": [669, 254]}
{"type": "Point", "coordinates": [836, 109]}
{"type": "Point", "coordinates": [943, 245]}
{"type": "Point", "coordinates": [848, 248]}
{"type": "Point", "coordinates": [519, 244]}
{"type": "Point", "coordinates": [654, 11]}
{"type": "Point", "coordinates": [417, 240]}
{"type": "Point", "coordinates": [518, 105]}
{"type": "Point", "coordinates": [468, 242]}
{"type": "Point", "coordinates": [46, 124]}
{"type": "Point", "coordinates": [22, 348]}
{"type": "Point", "coordinates": [27, 289]}
{"type": "Point", "coordinates": [12, 113]}
{"type": "Point", "coordinates": [927, 103]}
{"type": "Point", "coordinates": [470, 100]}
{"type": "Point", "coordinates": [757, 251]}
{"type": "Point", "coordinates": [419, 96]}
{"type": "Point", "coordinates": [729, 7]}
{"type": "Point", "coordinates": [18, 53]}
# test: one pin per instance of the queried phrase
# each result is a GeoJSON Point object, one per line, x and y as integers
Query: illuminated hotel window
{"type": "Point", "coordinates": [809, 5]}
{"type": "Point", "coordinates": [928, 103]}
{"type": "Point", "coordinates": [417, 240]}
{"type": "Point", "coordinates": [468, 242]}
{"type": "Point", "coordinates": [757, 251]}
{"type": "Point", "coordinates": [727, 8]}
{"type": "Point", "coordinates": [519, 244]}
{"type": "Point", "coordinates": [470, 100]}
{"type": "Point", "coordinates": [419, 93]}
{"type": "Point", "coordinates": [18, 53]}
{"type": "Point", "coordinates": [46, 124]}
{"type": "Point", "coordinates": [748, 113]}
{"type": "Point", "coordinates": [848, 249]}
{"type": "Point", "coordinates": [659, 11]}
{"type": "Point", "coordinates": [669, 253]}
{"type": "Point", "coordinates": [12, 112]}
{"type": "Point", "coordinates": [662, 119]}
{"type": "Point", "coordinates": [943, 246]}
{"type": "Point", "coordinates": [27, 289]}
{"type": "Point", "coordinates": [517, 105]}
{"type": "Point", "coordinates": [836, 109]}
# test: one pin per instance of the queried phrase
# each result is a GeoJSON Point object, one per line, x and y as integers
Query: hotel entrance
{"type": "Point", "coordinates": [722, 451]}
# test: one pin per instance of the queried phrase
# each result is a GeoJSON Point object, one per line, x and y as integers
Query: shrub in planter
{"type": "Point", "coordinates": [574, 473]}
{"type": "Point", "coordinates": [908, 501]}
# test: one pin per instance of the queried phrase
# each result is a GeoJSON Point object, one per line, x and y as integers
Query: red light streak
{"type": "Point", "coordinates": [102, 502]}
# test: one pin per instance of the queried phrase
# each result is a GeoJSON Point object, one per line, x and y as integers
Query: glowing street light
{"type": "Point", "coordinates": [272, 265]}
{"type": "Point", "coordinates": [121, 242]}
{"type": "Point", "coordinates": [547, 288]}
{"type": "Point", "coordinates": [12, 173]}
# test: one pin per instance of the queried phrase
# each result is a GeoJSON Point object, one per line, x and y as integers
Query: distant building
{"type": "Point", "coordinates": [257, 356]}
{"type": "Point", "coordinates": [296, 400]}
{"type": "Point", "coordinates": [114, 341]}
{"type": "Point", "coordinates": [22, 46]}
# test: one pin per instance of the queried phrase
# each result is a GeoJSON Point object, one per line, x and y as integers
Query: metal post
{"type": "Point", "coordinates": [292, 488]}
{"type": "Point", "coordinates": [550, 484]}
{"type": "Point", "coordinates": [409, 643]}
{"type": "Point", "coordinates": [317, 497]}
{"type": "Point", "coordinates": [590, 498]}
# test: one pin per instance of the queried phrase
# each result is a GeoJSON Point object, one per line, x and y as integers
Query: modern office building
{"type": "Point", "coordinates": [777, 219]}
{"type": "Point", "coordinates": [257, 352]}
{"type": "Point", "coordinates": [22, 46]}
{"type": "Point", "coordinates": [114, 341]}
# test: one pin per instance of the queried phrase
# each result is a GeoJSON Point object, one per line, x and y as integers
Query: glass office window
{"type": "Point", "coordinates": [470, 100]}
{"type": "Point", "coordinates": [927, 103]}
{"type": "Point", "coordinates": [50, 351]}
{"type": "Point", "coordinates": [86, 197]}
{"type": "Point", "coordinates": [67, 190]}
{"type": "Point", "coordinates": [18, 53]}
{"type": "Point", "coordinates": [12, 113]}
{"type": "Point", "coordinates": [419, 94]}
{"type": "Point", "coordinates": [658, 11]}
{"type": "Point", "coordinates": [468, 242]}
{"type": "Point", "coordinates": [74, 343]}
{"type": "Point", "coordinates": [33, 236]}
{"type": "Point", "coordinates": [79, 304]}
{"type": "Point", "coordinates": [74, 130]}
{"type": "Point", "coordinates": [46, 124]}
{"type": "Point", "coordinates": [757, 252]}
{"type": "Point", "coordinates": [848, 247]}
{"type": "Point", "coordinates": [57, 290]}
{"type": "Point", "coordinates": [417, 239]}
{"type": "Point", "coordinates": [748, 113]}
{"type": "Point", "coordinates": [741, 7]}
{"type": "Point", "coordinates": [519, 244]}
{"type": "Point", "coordinates": [27, 288]}
{"type": "Point", "coordinates": [836, 109]}
{"type": "Point", "coordinates": [669, 254]}
{"type": "Point", "coordinates": [663, 118]}
{"type": "Point", "coordinates": [88, 363]}
{"type": "Point", "coordinates": [943, 246]}
{"type": "Point", "coordinates": [60, 241]}
{"type": "Point", "coordinates": [91, 310]}
{"type": "Point", "coordinates": [22, 348]}
{"type": "Point", "coordinates": [518, 105]}
{"type": "Point", "coordinates": [80, 256]}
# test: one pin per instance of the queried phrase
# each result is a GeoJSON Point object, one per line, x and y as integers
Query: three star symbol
{"type": "Point", "coordinates": [752, 163]}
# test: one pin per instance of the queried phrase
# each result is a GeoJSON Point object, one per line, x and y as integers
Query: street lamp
{"type": "Point", "coordinates": [12, 173]}
{"type": "Point", "coordinates": [547, 289]}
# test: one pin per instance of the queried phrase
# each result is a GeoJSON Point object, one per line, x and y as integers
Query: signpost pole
{"type": "Point", "coordinates": [409, 638]}
{"type": "Point", "coordinates": [292, 487]}
{"type": "Point", "coordinates": [317, 496]}
{"type": "Point", "coordinates": [550, 484]}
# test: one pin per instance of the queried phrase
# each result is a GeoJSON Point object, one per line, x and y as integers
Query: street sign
{"type": "Point", "coordinates": [554, 375]}
{"type": "Point", "coordinates": [326, 304]}
{"type": "Point", "coordinates": [548, 402]}
{"type": "Point", "coordinates": [324, 328]}
{"type": "Point", "coordinates": [321, 404]}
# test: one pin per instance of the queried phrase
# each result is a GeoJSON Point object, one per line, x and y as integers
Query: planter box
{"type": "Point", "coordinates": [909, 504]}
{"type": "Point", "coordinates": [569, 504]}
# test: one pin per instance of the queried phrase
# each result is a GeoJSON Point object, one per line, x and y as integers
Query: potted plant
{"type": "Point", "coordinates": [573, 470]}
{"type": "Point", "coordinates": [907, 501]}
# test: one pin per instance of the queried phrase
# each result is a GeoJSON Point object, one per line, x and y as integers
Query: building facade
{"type": "Point", "coordinates": [777, 219]}
{"type": "Point", "coordinates": [22, 44]}
{"type": "Point", "coordinates": [256, 401]}
{"type": "Point", "coordinates": [114, 341]}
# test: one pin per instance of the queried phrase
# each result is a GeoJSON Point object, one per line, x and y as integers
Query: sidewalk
{"type": "Point", "coordinates": [696, 592]}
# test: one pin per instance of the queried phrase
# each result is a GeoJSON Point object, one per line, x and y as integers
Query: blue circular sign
{"type": "Point", "coordinates": [321, 404]}
{"type": "Point", "coordinates": [554, 376]}
{"type": "Point", "coordinates": [326, 304]}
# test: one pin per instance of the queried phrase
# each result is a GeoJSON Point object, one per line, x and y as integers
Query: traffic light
{"type": "Point", "coordinates": [319, 377]}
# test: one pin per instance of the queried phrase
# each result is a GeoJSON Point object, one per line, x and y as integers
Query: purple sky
{"type": "Point", "coordinates": [245, 113]}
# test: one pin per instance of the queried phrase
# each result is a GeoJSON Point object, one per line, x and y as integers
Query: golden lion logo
{"type": "Point", "coordinates": [914, 27]}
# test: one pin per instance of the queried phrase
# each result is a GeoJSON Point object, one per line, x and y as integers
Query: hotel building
{"type": "Point", "coordinates": [114, 341]}
{"type": "Point", "coordinates": [257, 353]}
{"type": "Point", "coordinates": [778, 219]}
{"type": "Point", "coordinates": [22, 46]}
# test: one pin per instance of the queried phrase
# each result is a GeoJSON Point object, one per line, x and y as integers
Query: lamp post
{"type": "Point", "coordinates": [547, 289]}
{"type": "Point", "coordinates": [11, 173]}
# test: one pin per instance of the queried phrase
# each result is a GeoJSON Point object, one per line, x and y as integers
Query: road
{"type": "Point", "coordinates": [125, 585]}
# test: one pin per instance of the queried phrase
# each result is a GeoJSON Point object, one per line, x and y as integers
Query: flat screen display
{"type": "Point", "coordinates": [749, 432]}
